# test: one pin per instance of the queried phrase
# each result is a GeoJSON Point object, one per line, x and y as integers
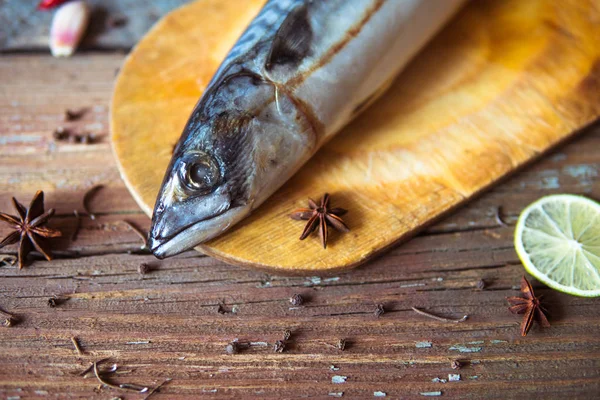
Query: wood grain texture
{"type": "Point", "coordinates": [114, 311]}
{"type": "Point", "coordinates": [505, 81]}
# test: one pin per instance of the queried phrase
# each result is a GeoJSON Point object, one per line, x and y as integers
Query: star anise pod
{"type": "Point", "coordinates": [322, 216]}
{"type": "Point", "coordinates": [528, 305]}
{"type": "Point", "coordinates": [29, 229]}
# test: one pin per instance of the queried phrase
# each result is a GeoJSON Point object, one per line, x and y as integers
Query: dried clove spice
{"type": "Point", "coordinates": [9, 319]}
{"type": "Point", "coordinates": [379, 310]}
{"type": "Point", "coordinates": [221, 309]}
{"type": "Point", "coordinates": [232, 348]}
{"type": "Point", "coordinates": [279, 346]}
{"type": "Point", "coordinates": [60, 134]}
{"type": "Point", "coordinates": [52, 302]}
{"type": "Point", "coordinates": [144, 268]}
{"type": "Point", "coordinates": [76, 345]}
{"type": "Point", "coordinates": [481, 284]}
{"type": "Point", "coordinates": [74, 115]}
{"type": "Point", "coordinates": [297, 300]}
{"type": "Point", "coordinates": [83, 138]}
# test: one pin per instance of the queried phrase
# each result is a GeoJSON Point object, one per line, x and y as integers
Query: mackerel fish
{"type": "Point", "coordinates": [301, 71]}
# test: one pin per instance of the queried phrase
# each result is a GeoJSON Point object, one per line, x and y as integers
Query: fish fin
{"type": "Point", "coordinates": [292, 41]}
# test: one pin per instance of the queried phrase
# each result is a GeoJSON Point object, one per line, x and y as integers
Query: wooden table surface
{"type": "Point", "coordinates": [175, 321]}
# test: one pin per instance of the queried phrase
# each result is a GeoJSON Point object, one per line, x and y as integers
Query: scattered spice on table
{"type": "Point", "coordinates": [322, 216]}
{"type": "Point", "coordinates": [297, 300]}
{"type": "Point", "coordinates": [232, 348]}
{"type": "Point", "coordinates": [83, 138]}
{"type": "Point", "coordinates": [61, 134]}
{"type": "Point", "coordinates": [144, 268]}
{"type": "Point", "coordinates": [287, 334]}
{"type": "Point", "coordinates": [379, 310]}
{"type": "Point", "coordinates": [87, 197]}
{"type": "Point", "coordinates": [481, 284]}
{"type": "Point", "coordinates": [530, 305]}
{"type": "Point", "coordinates": [9, 319]}
{"type": "Point", "coordinates": [7, 259]}
{"type": "Point", "coordinates": [76, 345]}
{"type": "Point", "coordinates": [52, 302]}
{"type": "Point", "coordinates": [85, 373]}
{"type": "Point", "coordinates": [438, 318]}
{"type": "Point", "coordinates": [221, 309]}
{"type": "Point", "coordinates": [74, 115]}
{"type": "Point", "coordinates": [125, 386]}
{"type": "Point", "coordinates": [77, 226]}
{"type": "Point", "coordinates": [29, 228]}
{"type": "Point", "coordinates": [279, 346]}
{"type": "Point", "coordinates": [157, 388]}
{"type": "Point", "coordinates": [498, 216]}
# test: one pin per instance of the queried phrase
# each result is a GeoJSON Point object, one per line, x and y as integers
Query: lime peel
{"type": "Point", "coordinates": [557, 238]}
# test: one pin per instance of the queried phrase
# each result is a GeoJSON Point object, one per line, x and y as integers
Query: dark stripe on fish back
{"type": "Point", "coordinates": [261, 28]}
{"type": "Point", "coordinates": [292, 41]}
{"type": "Point", "coordinates": [339, 46]}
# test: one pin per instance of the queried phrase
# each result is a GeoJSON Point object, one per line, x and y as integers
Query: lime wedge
{"type": "Point", "coordinates": [557, 239]}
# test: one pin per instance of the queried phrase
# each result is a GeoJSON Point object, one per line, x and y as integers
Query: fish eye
{"type": "Point", "coordinates": [200, 173]}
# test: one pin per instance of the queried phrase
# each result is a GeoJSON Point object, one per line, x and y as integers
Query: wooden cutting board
{"type": "Point", "coordinates": [503, 83]}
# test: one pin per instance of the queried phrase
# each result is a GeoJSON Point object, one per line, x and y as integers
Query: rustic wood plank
{"type": "Point", "coordinates": [22, 27]}
{"type": "Point", "coordinates": [114, 311]}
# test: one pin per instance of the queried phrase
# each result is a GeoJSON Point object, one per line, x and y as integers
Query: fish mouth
{"type": "Point", "coordinates": [163, 247]}
{"type": "Point", "coordinates": [193, 234]}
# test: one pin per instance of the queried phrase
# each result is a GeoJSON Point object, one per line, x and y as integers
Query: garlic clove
{"type": "Point", "coordinates": [68, 27]}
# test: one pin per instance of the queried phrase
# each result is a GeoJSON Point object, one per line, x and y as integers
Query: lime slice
{"type": "Point", "coordinates": [557, 239]}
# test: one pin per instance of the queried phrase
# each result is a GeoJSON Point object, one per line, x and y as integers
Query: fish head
{"type": "Point", "coordinates": [205, 187]}
{"type": "Point", "coordinates": [241, 143]}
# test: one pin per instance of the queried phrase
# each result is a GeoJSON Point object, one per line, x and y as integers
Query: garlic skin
{"type": "Point", "coordinates": [68, 27]}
